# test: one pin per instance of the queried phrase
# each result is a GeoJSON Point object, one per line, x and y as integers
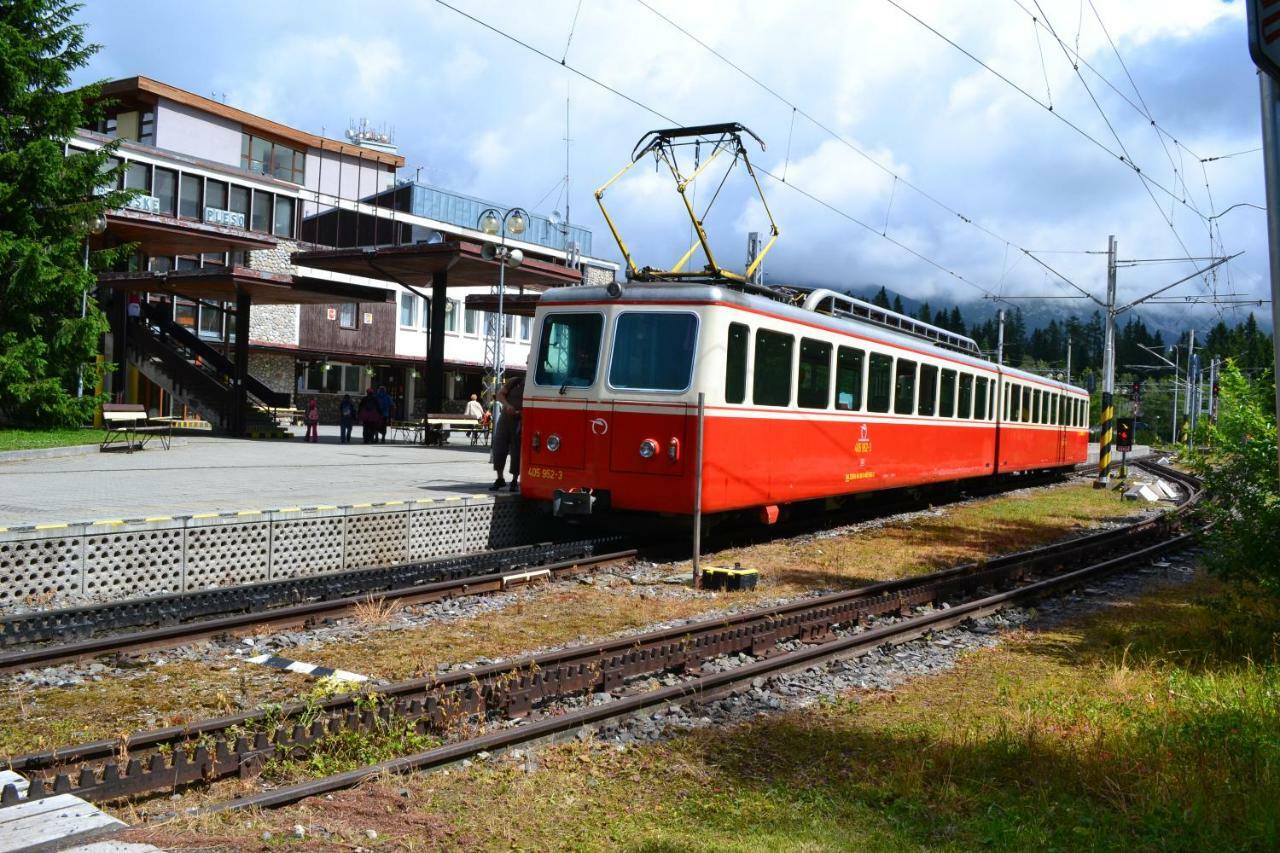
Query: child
{"type": "Point", "coordinates": [313, 421]}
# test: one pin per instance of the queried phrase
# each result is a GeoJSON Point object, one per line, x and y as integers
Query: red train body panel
{"type": "Point", "coordinates": [796, 405]}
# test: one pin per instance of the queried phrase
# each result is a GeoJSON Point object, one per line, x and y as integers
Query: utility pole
{"type": "Point", "coordinates": [1213, 390]}
{"type": "Point", "coordinates": [1191, 383]}
{"type": "Point", "coordinates": [1000, 337]}
{"type": "Point", "coordinates": [1108, 371]}
{"type": "Point", "coordinates": [1173, 439]}
{"type": "Point", "coordinates": [1068, 361]}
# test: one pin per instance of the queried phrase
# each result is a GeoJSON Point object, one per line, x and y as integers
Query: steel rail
{"type": "Point", "coordinates": [504, 687]}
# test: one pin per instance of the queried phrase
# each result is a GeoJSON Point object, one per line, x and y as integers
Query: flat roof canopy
{"type": "Point", "coordinates": [415, 265]}
{"type": "Point", "coordinates": [166, 235]}
{"type": "Point", "coordinates": [519, 304]}
{"type": "Point", "coordinates": [222, 284]}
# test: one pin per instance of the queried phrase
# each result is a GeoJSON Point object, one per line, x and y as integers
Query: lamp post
{"type": "Point", "coordinates": [95, 227]}
{"type": "Point", "coordinates": [497, 224]}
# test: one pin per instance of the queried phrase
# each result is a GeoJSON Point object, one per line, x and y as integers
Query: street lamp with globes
{"type": "Point", "coordinates": [497, 224]}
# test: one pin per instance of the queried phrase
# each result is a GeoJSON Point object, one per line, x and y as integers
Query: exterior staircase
{"type": "Point", "coordinates": [198, 376]}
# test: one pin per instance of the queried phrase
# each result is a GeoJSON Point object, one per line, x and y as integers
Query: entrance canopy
{"type": "Point", "coordinates": [519, 304]}
{"type": "Point", "coordinates": [165, 235]}
{"type": "Point", "coordinates": [416, 266]}
{"type": "Point", "coordinates": [224, 284]}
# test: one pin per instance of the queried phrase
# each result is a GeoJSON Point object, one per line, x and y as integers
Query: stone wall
{"type": "Point", "coordinates": [273, 324]}
{"type": "Point", "coordinates": [274, 370]}
{"type": "Point", "coordinates": [274, 260]}
{"type": "Point", "coordinates": [596, 275]}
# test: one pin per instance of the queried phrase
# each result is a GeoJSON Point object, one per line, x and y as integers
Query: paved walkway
{"type": "Point", "coordinates": [208, 474]}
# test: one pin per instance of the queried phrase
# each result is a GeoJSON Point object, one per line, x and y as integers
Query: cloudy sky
{"type": "Point", "coordinates": [914, 134]}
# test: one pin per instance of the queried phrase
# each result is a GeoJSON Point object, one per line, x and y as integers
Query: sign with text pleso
{"type": "Point", "coordinates": [215, 216]}
{"type": "Point", "coordinates": [1264, 34]}
{"type": "Point", "coordinates": [145, 203]}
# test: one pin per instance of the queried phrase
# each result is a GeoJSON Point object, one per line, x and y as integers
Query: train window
{"type": "Point", "coordinates": [1025, 414]}
{"type": "Point", "coordinates": [653, 351]}
{"type": "Point", "coordinates": [735, 372]}
{"type": "Point", "coordinates": [966, 395]}
{"type": "Point", "coordinates": [849, 379]}
{"type": "Point", "coordinates": [813, 390]}
{"type": "Point", "coordinates": [772, 383]}
{"type": "Point", "coordinates": [1037, 414]}
{"type": "Point", "coordinates": [904, 388]}
{"type": "Point", "coordinates": [879, 383]}
{"type": "Point", "coordinates": [1056, 413]}
{"type": "Point", "coordinates": [1044, 407]}
{"type": "Point", "coordinates": [947, 399]}
{"type": "Point", "coordinates": [569, 350]}
{"type": "Point", "coordinates": [1010, 407]}
{"type": "Point", "coordinates": [980, 398]}
{"type": "Point", "coordinates": [928, 389]}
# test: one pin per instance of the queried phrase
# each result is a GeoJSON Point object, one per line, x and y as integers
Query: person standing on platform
{"type": "Point", "coordinates": [369, 417]}
{"type": "Point", "coordinates": [346, 418]}
{"type": "Point", "coordinates": [312, 419]}
{"type": "Point", "coordinates": [506, 434]}
{"type": "Point", "coordinates": [385, 407]}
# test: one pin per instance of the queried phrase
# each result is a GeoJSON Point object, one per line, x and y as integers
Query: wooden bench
{"type": "Point", "coordinates": [129, 425]}
{"type": "Point", "coordinates": [439, 426]}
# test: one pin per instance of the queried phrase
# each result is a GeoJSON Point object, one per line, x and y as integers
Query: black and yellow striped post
{"type": "Point", "coordinates": [1105, 440]}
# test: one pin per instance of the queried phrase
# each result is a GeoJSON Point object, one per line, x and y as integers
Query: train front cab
{"type": "Point", "coordinates": [607, 409]}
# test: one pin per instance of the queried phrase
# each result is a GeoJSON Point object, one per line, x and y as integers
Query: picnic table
{"type": "Point", "coordinates": [129, 425]}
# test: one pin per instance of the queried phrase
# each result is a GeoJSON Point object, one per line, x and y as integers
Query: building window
{"type": "Point", "coordinates": [166, 190]}
{"type": "Point", "coordinates": [261, 219]}
{"type": "Point", "coordinates": [239, 201]}
{"type": "Point", "coordinates": [137, 176]}
{"type": "Point", "coordinates": [333, 378]}
{"type": "Point", "coordinates": [451, 316]}
{"type": "Point", "coordinates": [426, 313]}
{"type": "Point", "coordinates": [147, 128]}
{"type": "Point", "coordinates": [408, 309]}
{"type": "Point", "coordinates": [215, 195]}
{"type": "Point", "coordinates": [526, 328]}
{"type": "Point", "coordinates": [471, 324]}
{"type": "Point", "coordinates": [189, 197]}
{"type": "Point", "coordinates": [184, 312]}
{"type": "Point", "coordinates": [347, 314]}
{"type": "Point", "coordinates": [284, 217]}
{"type": "Point", "coordinates": [271, 158]}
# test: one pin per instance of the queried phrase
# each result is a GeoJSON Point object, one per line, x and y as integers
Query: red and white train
{"type": "Point", "coordinates": [821, 397]}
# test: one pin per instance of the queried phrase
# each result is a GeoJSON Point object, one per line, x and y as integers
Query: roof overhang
{"type": "Point", "coordinates": [417, 264]}
{"type": "Point", "coordinates": [519, 304]}
{"type": "Point", "coordinates": [166, 235]}
{"type": "Point", "coordinates": [224, 284]}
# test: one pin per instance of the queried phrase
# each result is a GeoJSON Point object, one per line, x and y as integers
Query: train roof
{"type": "Point", "coordinates": [662, 292]}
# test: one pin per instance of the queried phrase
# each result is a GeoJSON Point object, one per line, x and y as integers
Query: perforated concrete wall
{"type": "Point", "coordinates": [99, 561]}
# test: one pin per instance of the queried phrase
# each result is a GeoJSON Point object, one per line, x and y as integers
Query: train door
{"type": "Point", "coordinates": [1063, 404]}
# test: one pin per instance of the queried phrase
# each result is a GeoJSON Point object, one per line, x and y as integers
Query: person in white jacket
{"type": "Point", "coordinates": [474, 409]}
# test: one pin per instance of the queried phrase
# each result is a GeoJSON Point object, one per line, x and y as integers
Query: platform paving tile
{"type": "Point", "coordinates": [211, 474]}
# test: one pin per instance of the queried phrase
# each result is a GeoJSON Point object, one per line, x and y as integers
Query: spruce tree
{"type": "Point", "coordinates": [47, 202]}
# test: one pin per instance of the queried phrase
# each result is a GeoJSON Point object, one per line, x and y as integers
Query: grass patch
{"type": "Point", "coordinates": [36, 439]}
{"type": "Point", "coordinates": [1154, 725]}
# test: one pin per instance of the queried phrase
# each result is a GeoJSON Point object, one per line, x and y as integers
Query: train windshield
{"type": "Point", "coordinates": [569, 350]}
{"type": "Point", "coordinates": [653, 351]}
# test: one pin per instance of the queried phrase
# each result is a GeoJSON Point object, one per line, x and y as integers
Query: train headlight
{"type": "Point", "coordinates": [553, 442]}
{"type": "Point", "coordinates": [648, 448]}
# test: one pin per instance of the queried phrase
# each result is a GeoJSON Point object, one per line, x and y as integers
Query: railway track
{"type": "Point", "coordinates": [517, 702]}
{"type": "Point", "coordinates": [47, 638]}
{"type": "Point", "coordinates": [42, 637]}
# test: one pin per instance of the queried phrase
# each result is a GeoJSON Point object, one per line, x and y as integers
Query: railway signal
{"type": "Point", "coordinates": [1124, 435]}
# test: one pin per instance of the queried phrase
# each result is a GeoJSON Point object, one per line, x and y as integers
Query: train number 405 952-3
{"type": "Point", "coordinates": [544, 473]}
